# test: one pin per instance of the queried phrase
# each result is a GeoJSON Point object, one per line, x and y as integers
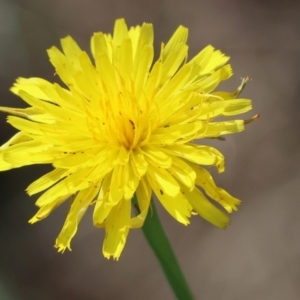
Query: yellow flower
{"type": "Point", "coordinates": [124, 125]}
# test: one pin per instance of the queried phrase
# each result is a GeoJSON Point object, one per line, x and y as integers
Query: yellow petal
{"type": "Point", "coordinates": [117, 184]}
{"type": "Point", "coordinates": [236, 107]}
{"type": "Point", "coordinates": [144, 38]}
{"type": "Point", "coordinates": [15, 139]}
{"type": "Point", "coordinates": [197, 154]}
{"type": "Point", "coordinates": [183, 172]}
{"type": "Point", "coordinates": [116, 230]}
{"type": "Point", "coordinates": [206, 209]}
{"type": "Point", "coordinates": [138, 163]}
{"type": "Point", "coordinates": [154, 79]}
{"type": "Point", "coordinates": [102, 205]}
{"type": "Point", "coordinates": [82, 158]}
{"type": "Point", "coordinates": [154, 155]}
{"type": "Point", "coordinates": [108, 75]}
{"type": "Point", "coordinates": [208, 61]}
{"type": "Point", "coordinates": [170, 89]}
{"type": "Point", "coordinates": [76, 181]}
{"type": "Point", "coordinates": [187, 108]}
{"type": "Point", "coordinates": [47, 209]}
{"type": "Point", "coordinates": [63, 67]}
{"type": "Point", "coordinates": [70, 47]}
{"type": "Point", "coordinates": [177, 206]}
{"type": "Point", "coordinates": [99, 45]}
{"type": "Point", "coordinates": [170, 134]}
{"type": "Point", "coordinates": [142, 68]}
{"type": "Point", "coordinates": [77, 210]}
{"type": "Point", "coordinates": [206, 182]}
{"type": "Point", "coordinates": [4, 165]}
{"type": "Point", "coordinates": [33, 86]}
{"type": "Point", "coordinates": [45, 181]}
{"type": "Point", "coordinates": [131, 182]}
{"type": "Point", "coordinates": [120, 32]}
{"type": "Point", "coordinates": [143, 194]}
{"type": "Point", "coordinates": [29, 152]}
{"type": "Point", "coordinates": [164, 181]}
{"type": "Point", "coordinates": [173, 61]}
{"type": "Point", "coordinates": [179, 37]}
{"type": "Point", "coordinates": [216, 129]}
{"type": "Point", "coordinates": [125, 62]}
{"type": "Point", "coordinates": [211, 82]}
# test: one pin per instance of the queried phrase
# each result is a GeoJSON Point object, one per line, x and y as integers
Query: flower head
{"type": "Point", "coordinates": [124, 125]}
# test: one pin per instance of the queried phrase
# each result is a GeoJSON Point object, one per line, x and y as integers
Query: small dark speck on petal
{"type": "Point", "coordinates": [131, 122]}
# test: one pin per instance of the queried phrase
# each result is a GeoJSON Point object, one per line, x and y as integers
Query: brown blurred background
{"type": "Point", "coordinates": [258, 257]}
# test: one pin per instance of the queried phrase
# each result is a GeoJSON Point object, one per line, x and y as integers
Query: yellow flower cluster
{"type": "Point", "coordinates": [124, 125]}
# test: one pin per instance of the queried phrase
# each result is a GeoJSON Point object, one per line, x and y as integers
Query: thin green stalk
{"type": "Point", "coordinates": [161, 246]}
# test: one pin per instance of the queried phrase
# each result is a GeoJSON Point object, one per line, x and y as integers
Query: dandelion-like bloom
{"type": "Point", "coordinates": [124, 125]}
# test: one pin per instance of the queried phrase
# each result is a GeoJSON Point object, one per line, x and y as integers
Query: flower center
{"type": "Point", "coordinates": [125, 131]}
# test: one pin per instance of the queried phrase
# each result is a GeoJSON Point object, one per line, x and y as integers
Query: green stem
{"type": "Point", "coordinates": [161, 246]}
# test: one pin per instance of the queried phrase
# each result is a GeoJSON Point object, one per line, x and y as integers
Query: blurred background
{"type": "Point", "coordinates": [258, 256]}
